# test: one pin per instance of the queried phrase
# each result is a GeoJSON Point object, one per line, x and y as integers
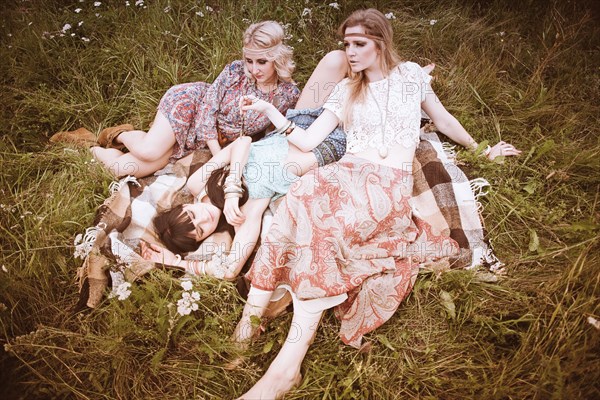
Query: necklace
{"type": "Point", "coordinates": [383, 148]}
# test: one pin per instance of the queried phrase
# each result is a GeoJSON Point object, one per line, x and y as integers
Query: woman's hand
{"type": "Point", "coordinates": [251, 102]}
{"type": "Point", "coordinates": [157, 254]}
{"type": "Point", "coordinates": [232, 212]}
{"type": "Point", "coordinates": [503, 149]}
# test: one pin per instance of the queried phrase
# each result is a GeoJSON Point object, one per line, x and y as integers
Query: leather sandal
{"type": "Point", "coordinates": [80, 137]}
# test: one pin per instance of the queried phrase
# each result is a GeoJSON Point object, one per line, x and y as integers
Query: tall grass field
{"type": "Point", "coordinates": [524, 71]}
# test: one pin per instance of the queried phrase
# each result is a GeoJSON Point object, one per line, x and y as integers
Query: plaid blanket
{"type": "Point", "coordinates": [442, 195]}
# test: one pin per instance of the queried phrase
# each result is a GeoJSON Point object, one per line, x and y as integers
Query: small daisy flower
{"type": "Point", "coordinates": [433, 22]}
{"type": "Point", "coordinates": [390, 15]}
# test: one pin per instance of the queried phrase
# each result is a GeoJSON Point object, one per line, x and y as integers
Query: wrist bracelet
{"type": "Point", "coordinates": [283, 128]}
{"type": "Point", "coordinates": [177, 260]}
{"type": "Point", "coordinates": [290, 129]}
{"type": "Point", "coordinates": [487, 150]}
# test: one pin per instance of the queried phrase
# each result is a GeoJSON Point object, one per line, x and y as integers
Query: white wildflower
{"type": "Point", "coordinates": [334, 5]}
{"type": "Point", "coordinates": [306, 12]}
{"type": "Point", "coordinates": [183, 308]}
{"type": "Point", "coordinates": [390, 15]}
{"type": "Point", "coordinates": [97, 4]}
{"type": "Point", "coordinates": [66, 27]}
{"type": "Point", "coordinates": [502, 33]}
{"type": "Point", "coordinates": [188, 301]}
{"type": "Point", "coordinates": [187, 285]}
{"type": "Point", "coordinates": [299, 40]}
{"type": "Point", "coordinates": [209, 9]}
{"type": "Point", "coordinates": [80, 23]}
{"type": "Point", "coordinates": [127, 4]}
{"type": "Point", "coordinates": [139, 3]}
{"type": "Point", "coordinates": [84, 39]}
{"type": "Point", "coordinates": [200, 13]}
{"type": "Point", "coordinates": [77, 10]}
{"type": "Point", "coordinates": [72, 35]}
{"type": "Point", "coordinates": [97, 15]}
{"type": "Point", "coordinates": [433, 22]}
{"type": "Point", "coordinates": [167, 9]}
{"type": "Point", "coordinates": [123, 291]}
{"type": "Point", "coordinates": [593, 321]}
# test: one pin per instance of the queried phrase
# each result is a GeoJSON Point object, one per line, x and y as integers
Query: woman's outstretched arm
{"type": "Point", "coordinates": [304, 139]}
{"type": "Point", "coordinates": [450, 127]}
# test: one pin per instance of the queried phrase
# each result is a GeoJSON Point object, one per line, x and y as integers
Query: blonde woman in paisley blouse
{"type": "Point", "coordinates": [195, 115]}
{"type": "Point", "coordinates": [345, 235]}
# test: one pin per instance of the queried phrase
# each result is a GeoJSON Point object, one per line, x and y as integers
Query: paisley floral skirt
{"type": "Point", "coordinates": [180, 104]}
{"type": "Point", "coordinates": [348, 228]}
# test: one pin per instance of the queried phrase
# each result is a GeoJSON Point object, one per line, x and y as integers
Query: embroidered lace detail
{"type": "Point", "coordinates": [401, 119]}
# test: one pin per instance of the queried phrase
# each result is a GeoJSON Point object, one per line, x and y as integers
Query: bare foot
{"type": "Point", "coordinates": [272, 386]}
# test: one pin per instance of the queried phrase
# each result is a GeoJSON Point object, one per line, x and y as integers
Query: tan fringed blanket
{"type": "Point", "coordinates": [442, 195]}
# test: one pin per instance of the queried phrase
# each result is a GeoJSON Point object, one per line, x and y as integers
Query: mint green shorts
{"type": "Point", "coordinates": [266, 174]}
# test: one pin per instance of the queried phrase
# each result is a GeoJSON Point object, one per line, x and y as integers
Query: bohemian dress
{"type": "Point", "coordinates": [345, 235]}
{"type": "Point", "coordinates": [201, 111]}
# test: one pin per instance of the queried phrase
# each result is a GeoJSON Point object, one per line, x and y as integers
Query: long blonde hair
{"type": "Point", "coordinates": [268, 36]}
{"type": "Point", "coordinates": [374, 24]}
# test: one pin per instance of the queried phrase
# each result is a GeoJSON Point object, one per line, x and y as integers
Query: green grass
{"type": "Point", "coordinates": [526, 72]}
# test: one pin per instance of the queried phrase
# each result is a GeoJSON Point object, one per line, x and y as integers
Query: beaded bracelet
{"type": "Point", "coordinates": [177, 260]}
{"type": "Point", "coordinates": [283, 128]}
{"type": "Point", "coordinates": [290, 128]}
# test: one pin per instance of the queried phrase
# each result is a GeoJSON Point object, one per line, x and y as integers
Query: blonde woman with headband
{"type": "Point", "coordinates": [200, 115]}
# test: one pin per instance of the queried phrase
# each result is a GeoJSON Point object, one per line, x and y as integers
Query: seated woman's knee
{"type": "Point", "coordinates": [335, 60]}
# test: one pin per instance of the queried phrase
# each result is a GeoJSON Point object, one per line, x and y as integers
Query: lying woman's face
{"type": "Point", "coordinates": [204, 217]}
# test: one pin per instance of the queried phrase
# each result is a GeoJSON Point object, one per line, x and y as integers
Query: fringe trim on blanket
{"type": "Point", "coordinates": [449, 150]}
{"type": "Point", "coordinates": [115, 186]}
{"type": "Point", "coordinates": [84, 242]}
{"type": "Point", "coordinates": [478, 186]}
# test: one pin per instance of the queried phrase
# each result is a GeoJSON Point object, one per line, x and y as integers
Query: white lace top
{"type": "Point", "coordinates": [391, 113]}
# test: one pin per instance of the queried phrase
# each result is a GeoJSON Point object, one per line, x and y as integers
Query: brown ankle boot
{"type": "Point", "coordinates": [108, 136]}
{"type": "Point", "coordinates": [81, 137]}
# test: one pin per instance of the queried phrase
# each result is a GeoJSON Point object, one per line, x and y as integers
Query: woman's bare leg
{"type": "Point", "coordinates": [332, 68]}
{"type": "Point", "coordinates": [152, 145]}
{"type": "Point", "coordinates": [284, 372]}
{"type": "Point", "coordinates": [257, 303]}
{"type": "Point", "coordinates": [148, 151]}
{"type": "Point", "coordinates": [122, 164]}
